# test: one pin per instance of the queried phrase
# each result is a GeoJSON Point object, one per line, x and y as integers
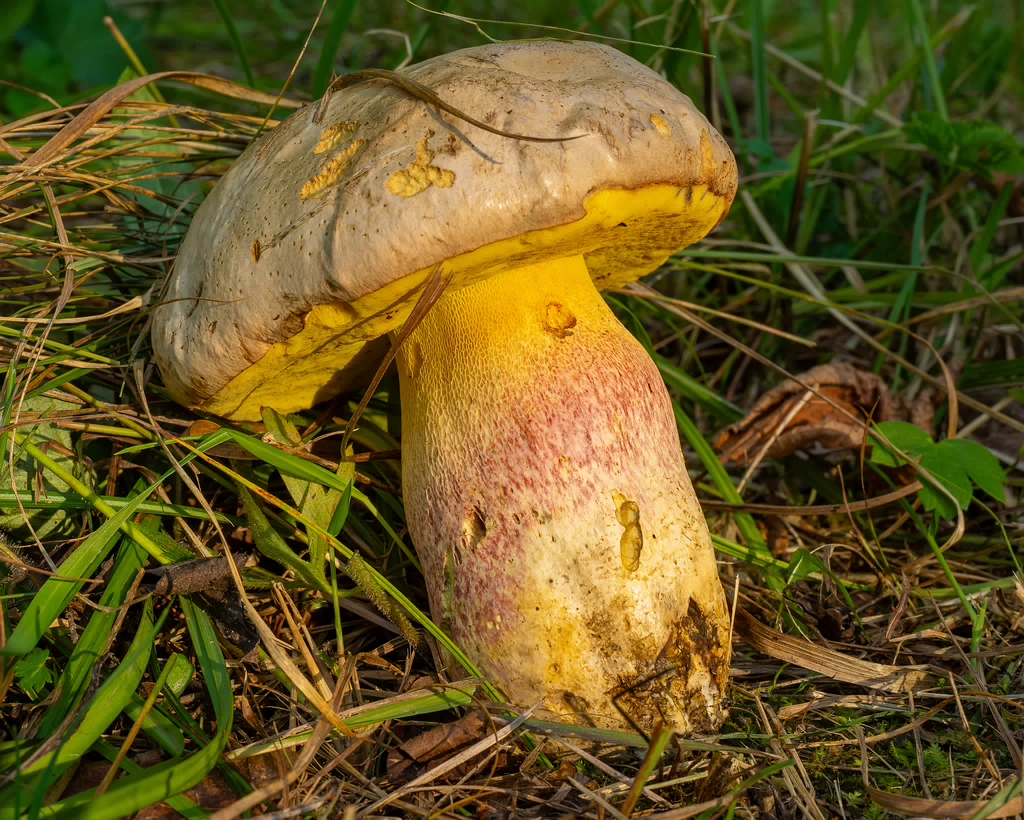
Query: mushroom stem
{"type": "Point", "coordinates": [546, 494]}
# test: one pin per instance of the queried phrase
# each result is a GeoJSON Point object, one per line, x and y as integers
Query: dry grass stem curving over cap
{"type": "Point", "coordinates": [562, 543]}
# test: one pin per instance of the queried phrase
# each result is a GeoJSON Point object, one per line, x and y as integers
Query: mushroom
{"type": "Point", "coordinates": [561, 541]}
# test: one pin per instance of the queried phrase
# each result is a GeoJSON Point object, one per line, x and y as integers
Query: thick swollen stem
{"type": "Point", "coordinates": [546, 494]}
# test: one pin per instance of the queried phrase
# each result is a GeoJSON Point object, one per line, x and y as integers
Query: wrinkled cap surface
{"type": "Point", "coordinates": [320, 237]}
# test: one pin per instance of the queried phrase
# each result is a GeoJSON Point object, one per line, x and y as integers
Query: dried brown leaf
{"type": "Point", "coordinates": [922, 807]}
{"type": "Point", "coordinates": [419, 754]}
{"type": "Point", "coordinates": [827, 661]}
{"type": "Point", "coordinates": [827, 405]}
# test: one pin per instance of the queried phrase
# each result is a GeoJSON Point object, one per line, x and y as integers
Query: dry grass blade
{"type": "Point", "coordinates": [578, 783]}
{"type": "Point", "coordinates": [299, 638]}
{"type": "Point", "coordinates": [645, 292]}
{"type": "Point", "coordinates": [798, 782]}
{"type": "Point", "coordinates": [696, 810]}
{"type": "Point", "coordinates": [133, 304]}
{"type": "Point", "coordinates": [420, 92]}
{"type": "Point", "coordinates": [102, 106]}
{"type": "Point", "coordinates": [817, 509]}
{"type": "Point", "coordinates": [599, 764]}
{"type": "Point", "coordinates": [320, 734]}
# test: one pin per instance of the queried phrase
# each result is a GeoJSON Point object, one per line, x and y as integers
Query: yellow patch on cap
{"type": "Point", "coordinates": [334, 135]}
{"type": "Point", "coordinates": [661, 124]}
{"type": "Point", "coordinates": [332, 171]}
{"type": "Point", "coordinates": [420, 175]}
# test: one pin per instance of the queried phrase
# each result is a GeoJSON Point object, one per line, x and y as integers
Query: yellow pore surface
{"type": "Point", "coordinates": [624, 235]}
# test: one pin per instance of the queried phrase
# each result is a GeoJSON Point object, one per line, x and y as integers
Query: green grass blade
{"type": "Point", "coordinates": [58, 591]}
{"type": "Point", "coordinates": [720, 477]}
{"type": "Point", "coordinates": [902, 306]}
{"type": "Point", "coordinates": [236, 40]}
{"type": "Point", "coordinates": [93, 641]}
{"type": "Point", "coordinates": [918, 22]}
{"type": "Point", "coordinates": [307, 471]}
{"type": "Point", "coordinates": [160, 728]}
{"type": "Point", "coordinates": [680, 381]}
{"type": "Point", "coordinates": [163, 549]}
{"type": "Point", "coordinates": [136, 791]}
{"type": "Point", "coordinates": [903, 73]}
{"type": "Point", "coordinates": [211, 660]}
{"type": "Point", "coordinates": [185, 807]}
{"type": "Point", "coordinates": [332, 42]}
{"type": "Point", "coordinates": [401, 707]}
{"type": "Point", "coordinates": [981, 245]}
{"type": "Point", "coordinates": [820, 261]}
{"type": "Point", "coordinates": [66, 501]}
{"type": "Point", "coordinates": [848, 53]}
{"type": "Point", "coordinates": [105, 705]}
{"type": "Point", "coordinates": [748, 555]}
{"type": "Point", "coordinates": [759, 72]}
{"type": "Point", "coordinates": [271, 544]}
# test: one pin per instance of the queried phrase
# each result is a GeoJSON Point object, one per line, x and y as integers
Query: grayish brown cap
{"type": "Point", "coordinates": [320, 236]}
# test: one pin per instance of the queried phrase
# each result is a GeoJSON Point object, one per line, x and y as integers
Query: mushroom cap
{"type": "Point", "coordinates": [320, 238]}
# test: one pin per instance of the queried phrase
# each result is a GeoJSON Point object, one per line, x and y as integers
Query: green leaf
{"type": "Point", "coordinates": [979, 146]}
{"type": "Point", "coordinates": [32, 672]}
{"type": "Point", "coordinates": [903, 436]}
{"type": "Point", "coordinates": [271, 544]}
{"type": "Point", "coordinates": [980, 464]}
{"type": "Point", "coordinates": [802, 564]}
{"type": "Point", "coordinates": [944, 465]}
{"type": "Point", "coordinates": [280, 427]}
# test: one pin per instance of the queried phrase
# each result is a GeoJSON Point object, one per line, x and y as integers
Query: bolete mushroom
{"type": "Point", "coordinates": [561, 541]}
